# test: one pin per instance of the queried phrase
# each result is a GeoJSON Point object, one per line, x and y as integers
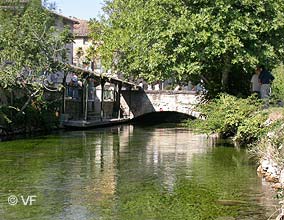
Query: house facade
{"type": "Point", "coordinates": [62, 22]}
{"type": "Point", "coordinates": [81, 42]}
{"type": "Point", "coordinates": [82, 45]}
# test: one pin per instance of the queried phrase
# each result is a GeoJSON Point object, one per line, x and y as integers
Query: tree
{"type": "Point", "coordinates": [79, 54]}
{"type": "Point", "coordinates": [93, 53]}
{"type": "Point", "coordinates": [215, 40]}
{"type": "Point", "coordinates": [31, 46]}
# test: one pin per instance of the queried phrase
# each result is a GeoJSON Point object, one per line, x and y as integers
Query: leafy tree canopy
{"type": "Point", "coordinates": [159, 39]}
{"type": "Point", "coordinates": [30, 45]}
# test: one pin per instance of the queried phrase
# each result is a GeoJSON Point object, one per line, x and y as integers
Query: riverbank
{"type": "Point", "coordinates": [11, 135]}
{"type": "Point", "coordinates": [270, 156]}
{"type": "Point", "coordinates": [269, 149]}
{"type": "Point", "coordinates": [249, 124]}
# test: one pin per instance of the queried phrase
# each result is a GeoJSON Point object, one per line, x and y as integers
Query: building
{"type": "Point", "coordinates": [62, 22]}
{"type": "Point", "coordinates": [83, 45]}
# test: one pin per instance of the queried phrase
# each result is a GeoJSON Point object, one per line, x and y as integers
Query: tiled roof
{"type": "Point", "coordinates": [81, 29]}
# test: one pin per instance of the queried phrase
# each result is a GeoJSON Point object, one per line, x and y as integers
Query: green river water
{"type": "Point", "coordinates": [129, 173]}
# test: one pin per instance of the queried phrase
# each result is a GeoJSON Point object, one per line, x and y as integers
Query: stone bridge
{"type": "Point", "coordinates": [107, 101]}
{"type": "Point", "coordinates": [139, 102]}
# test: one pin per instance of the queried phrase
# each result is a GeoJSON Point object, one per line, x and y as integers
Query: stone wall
{"type": "Point", "coordinates": [139, 102]}
{"type": "Point", "coordinates": [135, 103]}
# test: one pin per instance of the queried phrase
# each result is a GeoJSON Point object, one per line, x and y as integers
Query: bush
{"type": "Point", "coordinates": [271, 146]}
{"type": "Point", "coordinates": [40, 114]}
{"type": "Point", "coordinates": [278, 84]}
{"type": "Point", "coordinates": [252, 129]}
{"type": "Point", "coordinates": [225, 114]}
{"type": "Point", "coordinates": [4, 118]}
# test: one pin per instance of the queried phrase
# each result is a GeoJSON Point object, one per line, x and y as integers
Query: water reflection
{"type": "Point", "coordinates": [129, 172]}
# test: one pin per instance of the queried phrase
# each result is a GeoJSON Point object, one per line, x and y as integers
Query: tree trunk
{"type": "Point", "coordinates": [225, 74]}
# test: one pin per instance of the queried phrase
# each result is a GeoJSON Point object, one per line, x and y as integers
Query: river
{"type": "Point", "coordinates": [128, 173]}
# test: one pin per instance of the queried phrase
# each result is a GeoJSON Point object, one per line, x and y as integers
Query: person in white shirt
{"type": "Point", "coordinates": [141, 85]}
{"type": "Point", "coordinates": [157, 86]}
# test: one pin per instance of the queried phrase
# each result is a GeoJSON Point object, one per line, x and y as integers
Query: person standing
{"type": "Point", "coordinates": [265, 79]}
{"type": "Point", "coordinates": [141, 85]}
{"type": "Point", "coordinates": [157, 86]}
{"type": "Point", "coordinates": [74, 86]}
{"type": "Point", "coordinates": [255, 85]}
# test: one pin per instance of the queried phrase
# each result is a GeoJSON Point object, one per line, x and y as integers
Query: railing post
{"type": "Point", "coordinates": [102, 98]}
{"type": "Point", "coordinates": [129, 112]}
{"type": "Point", "coordinates": [86, 97]}
{"type": "Point", "coordinates": [118, 99]}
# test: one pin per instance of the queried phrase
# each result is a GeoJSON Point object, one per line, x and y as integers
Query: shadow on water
{"type": "Point", "coordinates": [168, 118]}
{"type": "Point", "coordinates": [10, 136]}
{"type": "Point", "coordinates": [131, 173]}
{"type": "Point", "coordinates": [154, 118]}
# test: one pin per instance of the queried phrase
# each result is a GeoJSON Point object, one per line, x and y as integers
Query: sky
{"type": "Point", "coordinates": [84, 9]}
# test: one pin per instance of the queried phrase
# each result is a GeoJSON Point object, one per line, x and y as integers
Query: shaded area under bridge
{"type": "Point", "coordinates": [140, 102]}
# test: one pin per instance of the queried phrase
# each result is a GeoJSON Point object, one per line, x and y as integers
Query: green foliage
{"type": "Point", "coordinates": [252, 129]}
{"type": "Point", "coordinates": [79, 52]}
{"type": "Point", "coordinates": [225, 114]}
{"type": "Point", "coordinates": [92, 52]}
{"type": "Point", "coordinates": [30, 46]}
{"type": "Point", "coordinates": [271, 146]}
{"type": "Point", "coordinates": [159, 39]}
{"type": "Point", "coordinates": [278, 83]}
{"type": "Point", "coordinates": [40, 114]}
{"type": "Point", "coordinates": [242, 119]}
{"type": "Point", "coordinates": [4, 119]}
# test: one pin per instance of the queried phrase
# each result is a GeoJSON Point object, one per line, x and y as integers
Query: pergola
{"type": "Point", "coordinates": [100, 79]}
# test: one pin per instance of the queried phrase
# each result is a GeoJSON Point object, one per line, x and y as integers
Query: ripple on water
{"type": "Point", "coordinates": [132, 173]}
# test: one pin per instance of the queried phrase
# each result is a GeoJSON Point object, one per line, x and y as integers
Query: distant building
{"type": "Point", "coordinates": [82, 44]}
{"type": "Point", "coordinates": [61, 22]}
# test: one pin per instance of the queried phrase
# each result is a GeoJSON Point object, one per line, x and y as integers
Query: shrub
{"type": "Point", "coordinates": [252, 129]}
{"type": "Point", "coordinates": [278, 83]}
{"type": "Point", "coordinates": [225, 114]}
{"type": "Point", "coordinates": [271, 146]}
{"type": "Point", "coordinates": [40, 114]}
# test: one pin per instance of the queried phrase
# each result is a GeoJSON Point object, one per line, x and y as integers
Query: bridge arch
{"type": "Point", "coordinates": [160, 117]}
{"type": "Point", "coordinates": [139, 102]}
